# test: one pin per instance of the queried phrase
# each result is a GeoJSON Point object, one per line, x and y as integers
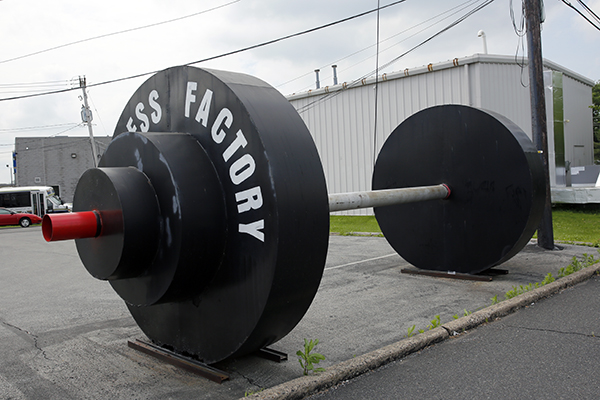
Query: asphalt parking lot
{"type": "Point", "coordinates": [63, 334]}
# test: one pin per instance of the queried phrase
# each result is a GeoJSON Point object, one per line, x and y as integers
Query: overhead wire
{"type": "Point", "coordinates": [452, 11]}
{"type": "Point", "coordinates": [330, 95]}
{"type": "Point", "coordinates": [81, 124]}
{"type": "Point", "coordinates": [581, 14]}
{"type": "Point", "coordinates": [447, 28]}
{"type": "Point", "coordinates": [521, 31]}
{"type": "Point", "coordinates": [272, 41]}
{"type": "Point", "coordinates": [46, 83]}
{"type": "Point", "coordinates": [376, 89]}
{"type": "Point", "coordinates": [62, 145]}
{"type": "Point", "coordinates": [117, 33]}
{"type": "Point", "coordinates": [36, 128]}
{"type": "Point", "coordinates": [32, 87]}
{"type": "Point", "coordinates": [589, 10]}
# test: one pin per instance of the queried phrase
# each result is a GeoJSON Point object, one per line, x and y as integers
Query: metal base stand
{"type": "Point", "coordinates": [484, 276]}
{"type": "Point", "coordinates": [195, 366]}
{"type": "Point", "coordinates": [187, 363]}
{"type": "Point", "coordinates": [271, 355]}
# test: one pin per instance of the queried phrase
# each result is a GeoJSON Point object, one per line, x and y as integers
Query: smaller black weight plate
{"type": "Point", "coordinates": [129, 214]}
{"type": "Point", "coordinates": [497, 182]}
{"type": "Point", "coordinates": [163, 191]}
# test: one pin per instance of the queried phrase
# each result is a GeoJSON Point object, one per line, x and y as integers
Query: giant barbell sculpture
{"type": "Point", "coordinates": [209, 214]}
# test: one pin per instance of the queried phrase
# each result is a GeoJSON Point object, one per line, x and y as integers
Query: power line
{"type": "Point", "coordinates": [589, 10]}
{"type": "Point", "coordinates": [38, 146]}
{"type": "Point", "coordinates": [356, 81]}
{"type": "Point", "coordinates": [46, 83]}
{"type": "Point", "coordinates": [37, 128]}
{"type": "Point", "coordinates": [376, 89]}
{"type": "Point", "coordinates": [298, 33]}
{"type": "Point", "coordinates": [67, 130]}
{"type": "Point", "coordinates": [452, 25]}
{"type": "Point", "coordinates": [214, 57]}
{"type": "Point", "coordinates": [452, 12]}
{"type": "Point", "coordinates": [580, 13]}
{"type": "Point", "coordinates": [117, 33]}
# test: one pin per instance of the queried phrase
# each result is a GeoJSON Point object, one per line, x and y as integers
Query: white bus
{"type": "Point", "coordinates": [38, 200]}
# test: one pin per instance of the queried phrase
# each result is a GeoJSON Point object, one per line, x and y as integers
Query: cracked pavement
{"type": "Point", "coordinates": [63, 334]}
{"type": "Point", "coordinates": [549, 350]}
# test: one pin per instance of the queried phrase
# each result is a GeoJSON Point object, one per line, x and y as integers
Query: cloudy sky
{"type": "Point", "coordinates": [46, 45]}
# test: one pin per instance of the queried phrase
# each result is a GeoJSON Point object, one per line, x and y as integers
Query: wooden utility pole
{"type": "Point", "coordinates": [533, 14]}
{"type": "Point", "coordinates": [86, 117]}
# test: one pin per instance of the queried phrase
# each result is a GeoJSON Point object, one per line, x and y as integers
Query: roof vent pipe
{"type": "Point", "coordinates": [481, 34]}
{"type": "Point", "coordinates": [318, 83]}
{"type": "Point", "coordinates": [335, 82]}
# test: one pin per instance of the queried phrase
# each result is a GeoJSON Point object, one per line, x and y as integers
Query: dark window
{"type": "Point", "coordinates": [19, 199]}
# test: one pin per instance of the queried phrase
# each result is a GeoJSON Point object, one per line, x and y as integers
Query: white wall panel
{"type": "Point", "coordinates": [578, 122]}
{"type": "Point", "coordinates": [341, 119]}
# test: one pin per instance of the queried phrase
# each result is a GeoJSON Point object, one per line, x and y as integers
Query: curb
{"type": "Point", "coordinates": [304, 386]}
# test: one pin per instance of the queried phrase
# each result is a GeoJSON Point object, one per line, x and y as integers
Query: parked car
{"type": "Point", "coordinates": [8, 217]}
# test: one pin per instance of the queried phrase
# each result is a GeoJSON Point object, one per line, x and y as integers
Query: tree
{"type": "Point", "coordinates": [596, 118]}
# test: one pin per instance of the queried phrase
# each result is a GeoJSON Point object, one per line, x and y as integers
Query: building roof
{"type": "Point", "coordinates": [457, 62]}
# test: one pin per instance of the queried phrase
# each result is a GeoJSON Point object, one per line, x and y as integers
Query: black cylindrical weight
{"type": "Point", "coordinates": [129, 217]}
{"type": "Point", "coordinates": [243, 212]}
{"type": "Point", "coordinates": [496, 176]}
{"type": "Point", "coordinates": [184, 202]}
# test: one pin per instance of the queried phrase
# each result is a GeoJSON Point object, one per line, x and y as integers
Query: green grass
{"type": "Point", "coordinates": [350, 224]}
{"type": "Point", "coordinates": [572, 224]}
{"type": "Point", "coordinates": [575, 224]}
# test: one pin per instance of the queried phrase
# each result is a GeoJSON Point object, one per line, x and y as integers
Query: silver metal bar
{"type": "Point", "coordinates": [387, 197]}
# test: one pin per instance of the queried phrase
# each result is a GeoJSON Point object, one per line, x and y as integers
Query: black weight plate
{"type": "Point", "coordinates": [191, 211]}
{"type": "Point", "coordinates": [275, 252]}
{"type": "Point", "coordinates": [497, 182]}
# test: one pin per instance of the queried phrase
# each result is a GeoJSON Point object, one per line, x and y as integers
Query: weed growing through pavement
{"type": "Point", "coordinates": [515, 291]}
{"type": "Point", "coordinates": [575, 266]}
{"type": "Point", "coordinates": [251, 392]}
{"type": "Point", "coordinates": [307, 359]}
{"type": "Point", "coordinates": [435, 322]}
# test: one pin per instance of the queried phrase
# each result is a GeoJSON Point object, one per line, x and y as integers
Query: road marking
{"type": "Point", "coordinates": [361, 261]}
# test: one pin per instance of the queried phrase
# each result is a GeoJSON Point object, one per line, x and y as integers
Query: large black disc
{"type": "Point", "coordinates": [276, 209]}
{"type": "Point", "coordinates": [497, 182]}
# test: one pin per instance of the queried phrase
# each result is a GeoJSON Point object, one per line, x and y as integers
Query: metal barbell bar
{"type": "Point", "coordinates": [386, 197]}
{"type": "Point", "coordinates": [88, 224]}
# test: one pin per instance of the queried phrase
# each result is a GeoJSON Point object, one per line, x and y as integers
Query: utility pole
{"type": "Point", "coordinates": [86, 117]}
{"type": "Point", "coordinates": [533, 16]}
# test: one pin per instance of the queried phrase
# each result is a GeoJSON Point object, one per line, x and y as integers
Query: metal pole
{"type": "Point", "coordinates": [335, 80]}
{"type": "Point", "coordinates": [481, 34]}
{"type": "Point", "coordinates": [538, 112]}
{"type": "Point", "coordinates": [86, 116]}
{"type": "Point", "coordinates": [388, 197]}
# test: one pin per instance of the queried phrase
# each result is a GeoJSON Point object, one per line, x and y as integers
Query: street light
{"type": "Point", "coordinates": [10, 174]}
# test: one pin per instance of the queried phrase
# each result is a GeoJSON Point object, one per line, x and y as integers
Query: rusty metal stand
{"type": "Point", "coordinates": [272, 355]}
{"type": "Point", "coordinates": [484, 276]}
{"type": "Point", "coordinates": [180, 361]}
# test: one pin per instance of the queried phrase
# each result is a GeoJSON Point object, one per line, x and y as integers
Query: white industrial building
{"type": "Point", "coordinates": [341, 117]}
